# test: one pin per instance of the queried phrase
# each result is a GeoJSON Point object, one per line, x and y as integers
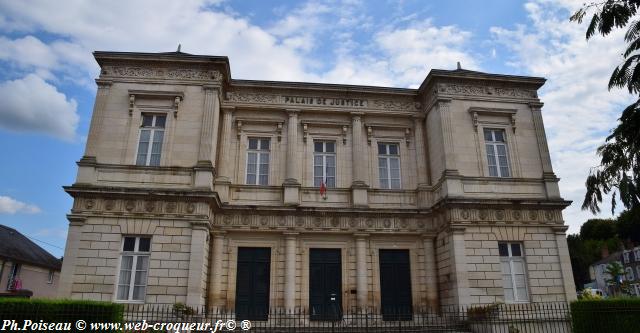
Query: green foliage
{"type": "Point", "coordinates": [619, 171]}
{"type": "Point", "coordinates": [612, 315]}
{"type": "Point", "coordinates": [628, 226]}
{"type": "Point", "coordinates": [600, 229]}
{"type": "Point", "coordinates": [58, 311]}
{"type": "Point", "coordinates": [483, 312]}
{"type": "Point", "coordinates": [589, 294]}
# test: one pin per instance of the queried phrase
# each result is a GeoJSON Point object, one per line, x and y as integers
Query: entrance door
{"type": "Point", "coordinates": [395, 285]}
{"type": "Point", "coordinates": [325, 284]}
{"type": "Point", "coordinates": [252, 283]}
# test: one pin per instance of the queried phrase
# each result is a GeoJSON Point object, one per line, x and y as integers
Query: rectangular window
{"type": "Point", "coordinates": [134, 265]}
{"type": "Point", "coordinates": [151, 137]}
{"type": "Point", "coordinates": [497, 156]}
{"type": "Point", "coordinates": [13, 281]}
{"type": "Point", "coordinates": [258, 161]}
{"type": "Point", "coordinates": [389, 165]}
{"type": "Point", "coordinates": [324, 163]}
{"type": "Point", "coordinates": [514, 276]}
{"type": "Point", "coordinates": [50, 277]}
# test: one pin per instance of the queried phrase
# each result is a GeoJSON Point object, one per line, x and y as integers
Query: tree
{"type": "Point", "coordinates": [628, 227]}
{"type": "Point", "coordinates": [600, 229]}
{"type": "Point", "coordinates": [615, 272]}
{"type": "Point", "coordinates": [619, 171]}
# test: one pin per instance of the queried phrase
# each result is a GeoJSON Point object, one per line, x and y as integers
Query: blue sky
{"type": "Point", "coordinates": [47, 72]}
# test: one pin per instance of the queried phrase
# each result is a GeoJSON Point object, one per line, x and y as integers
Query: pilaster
{"type": "Point", "coordinates": [215, 272]}
{"type": "Point", "coordinates": [197, 275]}
{"type": "Point", "coordinates": [430, 271]}
{"type": "Point", "coordinates": [86, 167]}
{"type": "Point", "coordinates": [290, 271]}
{"type": "Point", "coordinates": [224, 165]}
{"type": "Point", "coordinates": [459, 264]}
{"type": "Point", "coordinates": [362, 271]}
{"type": "Point", "coordinates": [565, 263]}
{"type": "Point", "coordinates": [70, 255]}
{"type": "Point", "coordinates": [550, 179]}
{"type": "Point", "coordinates": [291, 183]}
{"type": "Point", "coordinates": [359, 187]}
{"type": "Point", "coordinates": [205, 168]}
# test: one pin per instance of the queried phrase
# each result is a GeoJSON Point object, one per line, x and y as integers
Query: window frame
{"type": "Point", "coordinates": [259, 155]}
{"type": "Point", "coordinates": [387, 157]}
{"type": "Point", "coordinates": [511, 259]}
{"type": "Point", "coordinates": [494, 147]}
{"type": "Point", "coordinates": [153, 131]}
{"type": "Point", "coordinates": [50, 276]}
{"type": "Point", "coordinates": [136, 254]}
{"type": "Point", "coordinates": [324, 154]}
{"type": "Point", "coordinates": [629, 274]}
{"type": "Point", "coordinates": [14, 272]}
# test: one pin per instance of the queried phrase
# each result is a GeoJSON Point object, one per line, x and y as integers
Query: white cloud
{"type": "Point", "coordinates": [9, 205]}
{"type": "Point", "coordinates": [579, 110]}
{"type": "Point", "coordinates": [32, 105]}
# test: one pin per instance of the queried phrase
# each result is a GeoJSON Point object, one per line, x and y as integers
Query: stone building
{"type": "Point", "coordinates": [203, 189]}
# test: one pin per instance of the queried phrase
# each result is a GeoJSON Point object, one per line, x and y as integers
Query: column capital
{"type": "Point", "coordinates": [418, 117]}
{"type": "Point", "coordinates": [218, 233]}
{"type": "Point", "coordinates": [102, 83]}
{"type": "Point", "coordinates": [200, 225]}
{"type": "Point", "coordinates": [76, 220]}
{"type": "Point", "coordinates": [209, 87]}
{"type": "Point", "coordinates": [356, 114]}
{"type": "Point", "coordinates": [428, 236]}
{"type": "Point", "coordinates": [360, 235]}
{"type": "Point", "coordinates": [228, 109]}
{"type": "Point", "coordinates": [560, 230]}
{"type": "Point", "coordinates": [536, 106]}
{"type": "Point", "coordinates": [290, 235]}
{"type": "Point", "coordinates": [292, 112]}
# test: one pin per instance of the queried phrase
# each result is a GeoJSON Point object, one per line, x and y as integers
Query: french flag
{"type": "Point", "coordinates": [323, 191]}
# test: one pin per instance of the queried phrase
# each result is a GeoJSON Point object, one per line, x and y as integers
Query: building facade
{"type": "Point", "coordinates": [25, 267]}
{"type": "Point", "coordinates": [203, 189]}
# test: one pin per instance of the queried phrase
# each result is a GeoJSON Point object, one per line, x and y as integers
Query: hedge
{"type": "Point", "coordinates": [59, 311]}
{"type": "Point", "coordinates": [616, 315]}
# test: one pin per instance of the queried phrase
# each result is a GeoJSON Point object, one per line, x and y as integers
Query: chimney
{"type": "Point", "coordinates": [604, 251]}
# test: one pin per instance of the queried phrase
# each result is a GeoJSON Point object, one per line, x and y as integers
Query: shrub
{"type": "Point", "coordinates": [606, 316]}
{"type": "Point", "coordinates": [59, 311]}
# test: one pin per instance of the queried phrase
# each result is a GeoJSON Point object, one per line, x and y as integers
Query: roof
{"type": "Point", "coordinates": [613, 257]}
{"type": "Point", "coordinates": [460, 73]}
{"type": "Point", "coordinates": [16, 246]}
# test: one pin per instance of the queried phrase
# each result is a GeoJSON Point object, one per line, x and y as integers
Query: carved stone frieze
{"type": "Point", "coordinates": [136, 207]}
{"type": "Point", "coordinates": [525, 216]}
{"type": "Point", "coordinates": [169, 73]}
{"type": "Point", "coordinates": [245, 221]}
{"type": "Point", "coordinates": [483, 90]}
{"type": "Point", "coordinates": [379, 104]}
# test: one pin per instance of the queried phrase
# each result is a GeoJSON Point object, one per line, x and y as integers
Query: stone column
{"type": "Point", "coordinates": [565, 263]}
{"type": "Point", "coordinates": [291, 184]}
{"type": "Point", "coordinates": [215, 278]}
{"type": "Point", "coordinates": [224, 167]}
{"type": "Point", "coordinates": [290, 271]}
{"type": "Point", "coordinates": [208, 138]}
{"type": "Point", "coordinates": [86, 166]}
{"type": "Point", "coordinates": [197, 274]}
{"type": "Point", "coordinates": [430, 271]}
{"type": "Point", "coordinates": [550, 179]}
{"type": "Point", "coordinates": [70, 255]}
{"type": "Point", "coordinates": [359, 168]}
{"type": "Point", "coordinates": [362, 272]}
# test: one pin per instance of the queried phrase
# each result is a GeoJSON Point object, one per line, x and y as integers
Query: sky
{"type": "Point", "coordinates": [47, 72]}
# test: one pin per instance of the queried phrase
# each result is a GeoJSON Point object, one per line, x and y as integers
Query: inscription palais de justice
{"type": "Point", "coordinates": [353, 102]}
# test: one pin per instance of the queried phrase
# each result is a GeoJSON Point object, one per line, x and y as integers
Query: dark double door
{"type": "Point", "coordinates": [252, 283]}
{"type": "Point", "coordinates": [325, 284]}
{"type": "Point", "coordinates": [395, 285]}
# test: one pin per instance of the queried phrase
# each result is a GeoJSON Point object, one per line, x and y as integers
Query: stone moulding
{"type": "Point", "coordinates": [161, 73]}
{"type": "Point", "coordinates": [484, 90]}
{"type": "Point", "coordinates": [273, 99]}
